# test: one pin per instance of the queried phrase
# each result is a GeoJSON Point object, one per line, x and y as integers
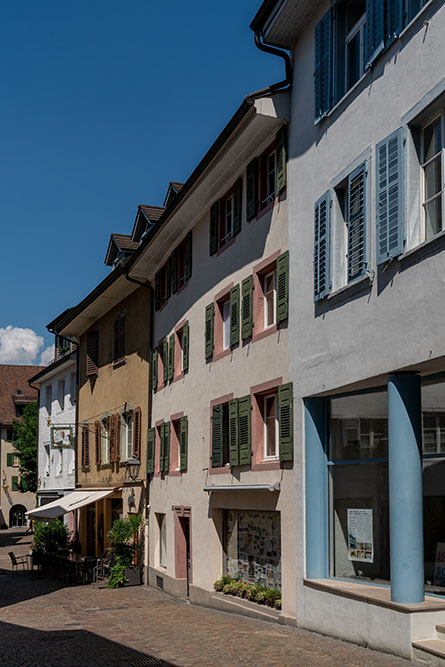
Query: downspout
{"type": "Point", "coordinates": [149, 412]}
{"type": "Point", "coordinates": [281, 85]}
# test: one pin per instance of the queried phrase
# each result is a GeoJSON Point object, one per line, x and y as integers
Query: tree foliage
{"type": "Point", "coordinates": [25, 442]}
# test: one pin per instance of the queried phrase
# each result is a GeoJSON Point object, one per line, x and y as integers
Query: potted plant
{"type": "Point", "coordinates": [124, 547]}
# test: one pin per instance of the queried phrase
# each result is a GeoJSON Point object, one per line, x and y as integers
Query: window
{"type": "Point", "coordinates": [222, 323]}
{"type": "Point", "coordinates": [355, 42]}
{"type": "Point", "coordinates": [10, 435]}
{"type": "Point", "coordinates": [271, 178]}
{"type": "Point", "coordinates": [15, 483]}
{"type": "Point", "coordinates": [270, 418]}
{"type": "Point", "coordinates": [266, 175]}
{"type": "Point", "coordinates": [48, 398]}
{"type": "Point", "coordinates": [19, 409]}
{"type": "Point", "coordinates": [15, 460]}
{"type": "Point", "coordinates": [105, 441]}
{"type": "Point", "coordinates": [270, 298]}
{"type": "Point", "coordinates": [162, 539]}
{"type": "Point", "coordinates": [225, 217]}
{"type": "Point", "coordinates": [433, 433]}
{"type": "Point", "coordinates": [179, 445]}
{"type": "Point", "coordinates": [225, 315]}
{"type": "Point", "coordinates": [175, 273]}
{"type": "Point", "coordinates": [271, 288]}
{"type": "Point", "coordinates": [182, 350]}
{"type": "Point", "coordinates": [126, 437]}
{"type": "Point", "coordinates": [61, 393]}
{"type": "Point", "coordinates": [120, 338]}
{"type": "Point", "coordinates": [220, 435]}
{"type": "Point", "coordinates": [60, 466]}
{"type": "Point", "coordinates": [92, 358]}
{"type": "Point", "coordinates": [433, 177]}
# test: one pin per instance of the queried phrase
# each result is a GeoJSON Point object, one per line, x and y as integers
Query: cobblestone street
{"type": "Point", "coordinates": [45, 623]}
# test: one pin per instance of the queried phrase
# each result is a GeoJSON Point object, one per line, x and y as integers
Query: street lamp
{"type": "Point", "coordinates": [133, 466]}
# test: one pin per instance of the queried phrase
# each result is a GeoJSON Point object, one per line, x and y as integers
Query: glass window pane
{"type": "Point", "coordinates": [270, 418]}
{"type": "Point", "coordinates": [353, 60]}
{"type": "Point", "coordinates": [432, 140]}
{"type": "Point", "coordinates": [226, 325]}
{"type": "Point", "coordinates": [359, 427]}
{"type": "Point", "coordinates": [433, 178]}
{"type": "Point", "coordinates": [433, 218]}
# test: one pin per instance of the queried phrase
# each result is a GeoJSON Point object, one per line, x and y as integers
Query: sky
{"type": "Point", "coordinates": [103, 103]}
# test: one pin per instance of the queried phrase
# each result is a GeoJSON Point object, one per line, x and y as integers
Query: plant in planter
{"type": "Point", "coordinates": [124, 547]}
{"type": "Point", "coordinates": [48, 538]}
{"type": "Point", "coordinates": [254, 592]}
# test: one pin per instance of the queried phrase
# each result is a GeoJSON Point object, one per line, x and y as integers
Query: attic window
{"type": "Point", "coordinates": [19, 391]}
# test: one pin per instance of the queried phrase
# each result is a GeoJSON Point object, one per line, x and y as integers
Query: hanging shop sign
{"type": "Point", "coordinates": [360, 539]}
{"type": "Point", "coordinates": [61, 436]}
{"type": "Point", "coordinates": [439, 568]}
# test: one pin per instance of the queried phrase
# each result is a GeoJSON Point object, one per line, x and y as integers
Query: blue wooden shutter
{"type": "Point", "coordinates": [357, 222]}
{"type": "Point", "coordinates": [389, 184]}
{"type": "Point", "coordinates": [244, 410]}
{"type": "Point", "coordinates": [217, 436]}
{"type": "Point", "coordinates": [322, 224]}
{"type": "Point", "coordinates": [394, 19]}
{"type": "Point", "coordinates": [323, 66]}
{"type": "Point", "coordinates": [414, 7]}
{"type": "Point", "coordinates": [375, 29]}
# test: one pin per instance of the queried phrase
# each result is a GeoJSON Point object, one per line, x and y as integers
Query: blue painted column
{"type": "Point", "coordinates": [317, 544]}
{"type": "Point", "coordinates": [405, 488]}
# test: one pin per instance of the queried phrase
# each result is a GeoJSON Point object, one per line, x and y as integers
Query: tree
{"type": "Point", "coordinates": [25, 442]}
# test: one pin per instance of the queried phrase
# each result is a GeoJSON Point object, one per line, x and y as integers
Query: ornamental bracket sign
{"type": "Point", "coordinates": [62, 437]}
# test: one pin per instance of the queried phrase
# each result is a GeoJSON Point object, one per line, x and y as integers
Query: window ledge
{"type": "Point", "coordinates": [264, 333]}
{"type": "Point", "coordinates": [372, 594]}
{"type": "Point", "coordinates": [226, 245]}
{"type": "Point", "coordinates": [423, 250]}
{"type": "Point", "coordinates": [221, 355]}
{"type": "Point", "coordinates": [358, 285]}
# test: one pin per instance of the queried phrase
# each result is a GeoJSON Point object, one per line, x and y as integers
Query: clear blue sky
{"type": "Point", "coordinates": [103, 103]}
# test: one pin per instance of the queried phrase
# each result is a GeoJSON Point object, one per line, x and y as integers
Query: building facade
{"type": "Point", "coordinates": [219, 449]}
{"type": "Point", "coordinates": [15, 395]}
{"type": "Point", "coordinates": [57, 385]}
{"type": "Point", "coordinates": [366, 211]}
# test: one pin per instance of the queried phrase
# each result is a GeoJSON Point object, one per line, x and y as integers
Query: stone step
{"type": "Point", "coordinates": [430, 652]}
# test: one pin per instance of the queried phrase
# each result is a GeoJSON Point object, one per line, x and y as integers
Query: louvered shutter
{"type": "Point", "coordinates": [282, 286]}
{"type": "Point", "coordinates": [357, 223]}
{"type": "Point", "coordinates": [252, 189]}
{"type": "Point", "coordinates": [151, 440]}
{"type": "Point", "coordinates": [161, 448]}
{"type": "Point", "coordinates": [92, 352]}
{"type": "Point", "coordinates": [285, 422]}
{"type": "Point", "coordinates": [166, 446]}
{"type": "Point", "coordinates": [183, 443]}
{"type": "Point", "coordinates": [238, 206]}
{"type": "Point", "coordinates": [97, 437]}
{"type": "Point", "coordinates": [171, 357]}
{"type": "Point", "coordinates": [174, 270]}
{"type": "Point", "coordinates": [281, 159]}
{"type": "Point", "coordinates": [157, 290]}
{"type": "Point", "coordinates": [414, 7]}
{"type": "Point", "coordinates": [185, 347]}
{"type": "Point", "coordinates": [234, 315]}
{"type": "Point", "coordinates": [165, 359]}
{"type": "Point", "coordinates": [323, 67]}
{"type": "Point", "coordinates": [111, 443]}
{"type": "Point", "coordinates": [233, 433]}
{"type": "Point", "coordinates": [394, 19]}
{"type": "Point", "coordinates": [154, 369]}
{"type": "Point", "coordinates": [389, 178]}
{"type": "Point", "coordinates": [117, 438]}
{"type": "Point", "coordinates": [85, 446]}
{"type": "Point", "coordinates": [168, 279]}
{"type": "Point", "coordinates": [244, 421]}
{"type": "Point", "coordinates": [217, 436]}
{"type": "Point", "coordinates": [214, 224]}
{"type": "Point", "coordinates": [247, 308]}
{"type": "Point", "coordinates": [375, 28]}
{"type": "Point", "coordinates": [322, 224]}
{"type": "Point", "coordinates": [188, 256]}
{"type": "Point", "coordinates": [9, 459]}
{"type": "Point", "coordinates": [209, 324]}
{"type": "Point", "coordinates": [137, 420]}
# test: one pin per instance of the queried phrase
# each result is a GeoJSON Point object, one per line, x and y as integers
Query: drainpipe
{"type": "Point", "coordinates": [281, 85]}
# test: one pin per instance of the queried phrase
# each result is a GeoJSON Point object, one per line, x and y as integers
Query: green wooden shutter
{"type": "Point", "coordinates": [9, 459]}
{"type": "Point", "coordinates": [375, 28]}
{"type": "Point", "coordinates": [389, 196]}
{"type": "Point", "coordinates": [15, 483]}
{"type": "Point", "coordinates": [173, 261]}
{"type": "Point", "coordinates": [233, 433]}
{"type": "Point", "coordinates": [323, 66]}
{"type": "Point", "coordinates": [165, 358]}
{"type": "Point", "coordinates": [286, 422]}
{"type": "Point", "coordinates": [171, 357]}
{"type": "Point", "coordinates": [154, 369]}
{"type": "Point", "coordinates": [244, 420]}
{"type": "Point", "coordinates": [209, 325]}
{"type": "Point", "coordinates": [188, 256]}
{"type": "Point", "coordinates": [217, 436]}
{"type": "Point", "coordinates": [166, 446]}
{"type": "Point", "coordinates": [151, 439]}
{"type": "Point", "coordinates": [157, 290]}
{"type": "Point", "coordinates": [238, 206]}
{"type": "Point", "coordinates": [162, 447]}
{"type": "Point", "coordinates": [283, 286]}
{"type": "Point", "coordinates": [322, 224]}
{"type": "Point", "coordinates": [185, 347]}
{"type": "Point", "coordinates": [281, 159]}
{"type": "Point", "coordinates": [357, 223]}
{"type": "Point", "coordinates": [252, 189]}
{"type": "Point", "coordinates": [183, 442]}
{"type": "Point", "coordinates": [247, 308]}
{"type": "Point", "coordinates": [214, 224]}
{"type": "Point", "coordinates": [168, 280]}
{"type": "Point", "coordinates": [234, 315]}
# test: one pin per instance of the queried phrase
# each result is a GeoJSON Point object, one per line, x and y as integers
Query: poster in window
{"type": "Point", "coordinates": [360, 539]}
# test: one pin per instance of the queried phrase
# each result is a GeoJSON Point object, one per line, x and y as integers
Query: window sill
{"type": "Point", "coordinates": [271, 464]}
{"type": "Point", "coordinates": [224, 470]}
{"type": "Point", "coordinates": [225, 246]}
{"type": "Point", "coordinates": [180, 376]}
{"type": "Point", "coordinates": [175, 473]}
{"type": "Point", "coordinates": [266, 209]}
{"type": "Point", "coordinates": [359, 285]}
{"type": "Point", "coordinates": [264, 333]}
{"type": "Point", "coordinates": [425, 249]}
{"type": "Point", "coordinates": [222, 354]}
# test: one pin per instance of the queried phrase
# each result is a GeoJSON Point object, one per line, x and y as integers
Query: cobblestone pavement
{"type": "Point", "coordinates": [46, 624]}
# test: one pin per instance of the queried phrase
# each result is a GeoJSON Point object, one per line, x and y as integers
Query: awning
{"type": "Point", "coordinates": [68, 503]}
{"type": "Point", "coordinates": [273, 486]}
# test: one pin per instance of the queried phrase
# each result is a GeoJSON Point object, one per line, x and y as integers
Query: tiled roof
{"type": "Point", "coordinates": [13, 378]}
{"type": "Point", "coordinates": [152, 212]}
{"type": "Point", "coordinates": [124, 242]}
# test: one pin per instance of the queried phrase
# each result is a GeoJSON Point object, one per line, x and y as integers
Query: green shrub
{"type": "Point", "coordinates": [260, 597]}
{"type": "Point", "coordinates": [226, 589]}
{"type": "Point", "coordinates": [218, 585]}
{"type": "Point", "coordinates": [277, 604]}
{"type": "Point", "coordinates": [123, 548]}
{"type": "Point", "coordinates": [251, 592]}
{"type": "Point", "coordinates": [117, 578]}
{"type": "Point", "coordinates": [49, 537]}
{"type": "Point", "coordinates": [272, 594]}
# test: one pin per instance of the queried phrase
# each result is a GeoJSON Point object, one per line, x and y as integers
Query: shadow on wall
{"type": "Point", "coordinates": [26, 646]}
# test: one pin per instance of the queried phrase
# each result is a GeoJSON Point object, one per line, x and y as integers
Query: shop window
{"type": "Point", "coordinates": [359, 487]}
{"type": "Point", "coordinates": [162, 525]}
